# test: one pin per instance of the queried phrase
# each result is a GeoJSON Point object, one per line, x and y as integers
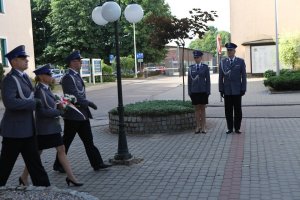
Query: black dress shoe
{"type": "Point", "coordinates": [69, 181]}
{"type": "Point", "coordinates": [102, 166]}
{"type": "Point", "coordinates": [238, 131]}
{"type": "Point", "coordinates": [228, 131]}
{"type": "Point", "coordinates": [59, 169]}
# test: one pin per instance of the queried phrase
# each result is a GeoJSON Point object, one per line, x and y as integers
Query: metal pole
{"type": "Point", "coordinates": [276, 32]}
{"type": "Point", "coordinates": [183, 73]}
{"type": "Point", "coordinates": [134, 47]}
{"type": "Point", "coordinates": [218, 63]}
{"type": "Point", "coordinates": [123, 153]}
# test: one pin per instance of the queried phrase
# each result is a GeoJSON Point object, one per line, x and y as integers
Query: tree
{"type": "Point", "coordinates": [72, 28]}
{"type": "Point", "coordinates": [68, 25]}
{"type": "Point", "coordinates": [208, 41]}
{"type": "Point", "coordinates": [41, 29]}
{"type": "Point", "coordinates": [289, 47]}
{"type": "Point", "coordinates": [144, 41]}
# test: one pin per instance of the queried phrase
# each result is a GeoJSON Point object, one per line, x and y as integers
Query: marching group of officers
{"type": "Point", "coordinates": [19, 129]}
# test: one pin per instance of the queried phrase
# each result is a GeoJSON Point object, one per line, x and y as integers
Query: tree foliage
{"type": "Point", "coordinates": [208, 41]}
{"type": "Point", "coordinates": [61, 26]}
{"type": "Point", "coordinates": [166, 29]}
{"type": "Point", "coordinates": [72, 28]}
{"type": "Point", "coordinates": [41, 28]}
{"type": "Point", "coordinates": [152, 54]}
{"type": "Point", "coordinates": [289, 47]}
{"type": "Point", "coordinates": [126, 63]}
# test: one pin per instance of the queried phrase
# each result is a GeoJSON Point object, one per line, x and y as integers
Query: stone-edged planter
{"type": "Point", "coordinates": [45, 193]}
{"type": "Point", "coordinates": [153, 124]}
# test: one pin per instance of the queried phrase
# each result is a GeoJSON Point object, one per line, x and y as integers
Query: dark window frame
{"type": "Point", "coordinates": [3, 51]}
{"type": "Point", "coordinates": [1, 6]}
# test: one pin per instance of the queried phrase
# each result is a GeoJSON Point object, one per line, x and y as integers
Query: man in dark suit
{"type": "Point", "coordinates": [232, 86]}
{"type": "Point", "coordinates": [17, 125]}
{"type": "Point", "coordinates": [75, 121]}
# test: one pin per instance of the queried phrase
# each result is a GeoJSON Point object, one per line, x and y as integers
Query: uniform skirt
{"type": "Point", "coordinates": [49, 141]}
{"type": "Point", "coordinates": [199, 98]}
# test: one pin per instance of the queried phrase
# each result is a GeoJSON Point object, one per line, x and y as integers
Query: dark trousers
{"type": "Point", "coordinates": [11, 147]}
{"type": "Point", "coordinates": [233, 105]}
{"type": "Point", "coordinates": [83, 128]}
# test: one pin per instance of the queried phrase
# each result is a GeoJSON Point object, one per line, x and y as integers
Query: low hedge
{"type": "Point", "coordinates": [287, 80]}
{"type": "Point", "coordinates": [156, 108]}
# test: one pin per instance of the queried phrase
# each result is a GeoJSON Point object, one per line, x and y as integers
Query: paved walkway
{"type": "Point", "coordinates": [261, 163]}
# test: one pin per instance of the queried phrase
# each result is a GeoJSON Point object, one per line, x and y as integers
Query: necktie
{"type": "Point", "coordinates": [198, 67]}
{"type": "Point", "coordinates": [25, 77]}
{"type": "Point", "coordinates": [78, 75]}
{"type": "Point", "coordinates": [28, 82]}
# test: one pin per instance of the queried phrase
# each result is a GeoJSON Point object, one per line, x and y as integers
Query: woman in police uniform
{"type": "Point", "coordinates": [48, 124]}
{"type": "Point", "coordinates": [199, 90]}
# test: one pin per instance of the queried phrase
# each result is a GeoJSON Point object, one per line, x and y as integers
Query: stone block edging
{"type": "Point", "coordinates": [45, 193]}
{"type": "Point", "coordinates": [153, 124]}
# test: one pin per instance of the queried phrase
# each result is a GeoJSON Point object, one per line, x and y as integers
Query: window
{"type": "Point", "coordinates": [3, 51]}
{"type": "Point", "coordinates": [1, 6]}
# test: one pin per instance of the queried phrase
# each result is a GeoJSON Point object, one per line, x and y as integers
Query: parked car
{"type": "Point", "coordinates": [151, 69]}
{"type": "Point", "coordinates": [160, 69]}
{"type": "Point", "coordinates": [57, 74]}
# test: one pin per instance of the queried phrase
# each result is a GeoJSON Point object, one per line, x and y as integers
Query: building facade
{"type": "Point", "coordinates": [252, 27]}
{"type": "Point", "coordinates": [174, 56]}
{"type": "Point", "coordinates": [15, 30]}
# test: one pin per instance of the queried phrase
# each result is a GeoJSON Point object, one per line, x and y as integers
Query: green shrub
{"type": "Point", "coordinates": [288, 80]}
{"type": "Point", "coordinates": [269, 73]}
{"type": "Point", "coordinates": [1, 73]}
{"type": "Point", "coordinates": [286, 71]}
{"type": "Point", "coordinates": [156, 108]}
{"type": "Point", "coordinates": [107, 73]}
{"type": "Point", "coordinates": [127, 75]}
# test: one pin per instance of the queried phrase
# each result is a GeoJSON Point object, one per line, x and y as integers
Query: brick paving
{"type": "Point", "coordinates": [261, 163]}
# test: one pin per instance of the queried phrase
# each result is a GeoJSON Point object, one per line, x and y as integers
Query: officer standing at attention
{"type": "Point", "coordinates": [78, 122]}
{"type": "Point", "coordinates": [199, 90]}
{"type": "Point", "coordinates": [232, 86]}
{"type": "Point", "coordinates": [17, 125]}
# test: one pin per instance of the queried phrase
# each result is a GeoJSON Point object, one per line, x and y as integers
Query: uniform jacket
{"type": "Point", "coordinates": [47, 116]}
{"type": "Point", "coordinates": [198, 79]}
{"type": "Point", "coordinates": [73, 84]}
{"type": "Point", "coordinates": [232, 77]}
{"type": "Point", "coordinates": [18, 99]}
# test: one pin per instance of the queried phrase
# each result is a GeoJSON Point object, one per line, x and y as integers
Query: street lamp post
{"type": "Point", "coordinates": [110, 11]}
{"type": "Point", "coordinates": [276, 38]}
{"type": "Point", "coordinates": [133, 14]}
{"type": "Point", "coordinates": [134, 49]}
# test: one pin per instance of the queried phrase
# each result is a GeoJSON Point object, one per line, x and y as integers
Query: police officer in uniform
{"type": "Point", "coordinates": [199, 90]}
{"type": "Point", "coordinates": [232, 86]}
{"type": "Point", "coordinates": [17, 125]}
{"type": "Point", "coordinates": [78, 122]}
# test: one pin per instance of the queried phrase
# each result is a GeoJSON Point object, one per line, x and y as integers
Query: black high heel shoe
{"type": "Point", "coordinates": [74, 183]}
{"type": "Point", "coordinates": [21, 182]}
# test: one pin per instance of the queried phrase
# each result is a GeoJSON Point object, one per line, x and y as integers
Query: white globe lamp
{"type": "Point", "coordinates": [134, 13]}
{"type": "Point", "coordinates": [111, 11]}
{"type": "Point", "coordinates": [97, 16]}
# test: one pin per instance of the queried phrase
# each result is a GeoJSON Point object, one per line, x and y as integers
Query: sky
{"type": "Point", "coordinates": [181, 8]}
